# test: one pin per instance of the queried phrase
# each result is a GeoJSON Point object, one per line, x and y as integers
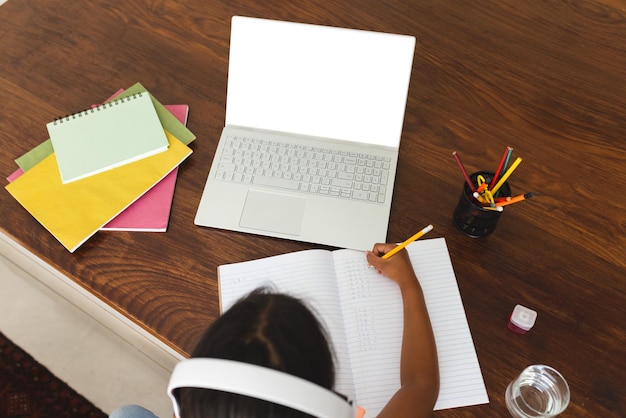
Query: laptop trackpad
{"type": "Point", "coordinates": [273, 212]}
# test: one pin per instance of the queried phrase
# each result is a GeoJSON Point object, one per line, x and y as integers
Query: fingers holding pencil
{"type": "Point", "coordinates": [397, 268]}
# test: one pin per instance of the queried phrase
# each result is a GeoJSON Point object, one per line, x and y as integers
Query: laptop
{"type": "Point", "coordinates": [313, 122]}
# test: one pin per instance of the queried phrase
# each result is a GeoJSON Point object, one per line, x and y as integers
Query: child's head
{"type": "Point", "coordinates": [267, 329]}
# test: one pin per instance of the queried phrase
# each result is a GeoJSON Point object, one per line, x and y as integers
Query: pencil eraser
{"type": "Point", "coordinates": [522, 319]}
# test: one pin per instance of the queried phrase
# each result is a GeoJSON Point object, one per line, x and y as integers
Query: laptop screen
{"type": "Point", "coordinates": [315, 80]}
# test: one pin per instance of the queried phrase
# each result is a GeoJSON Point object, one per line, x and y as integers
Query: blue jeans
{"type": "Point", "coordinates": [132, 411]}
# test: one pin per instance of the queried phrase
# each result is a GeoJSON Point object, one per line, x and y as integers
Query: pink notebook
{"type": "Point", "coordinates": [151, 212]}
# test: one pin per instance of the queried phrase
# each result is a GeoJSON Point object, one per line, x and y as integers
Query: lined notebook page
{"type": "Point", "coordinates": [367, 329]}
{"type": "Point", "coordinates": [372, 314]}
{"type": "Point", "coordinates": [462, 382]}
{"type": "Point", "coordinates": [372, 309]}
{"type": "Point", "coordinates": [308, 275]}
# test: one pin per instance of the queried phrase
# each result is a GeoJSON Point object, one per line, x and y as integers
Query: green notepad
{"type": "Point", "coordinates": [106, 137]}
{"type": "Point", "coordinates": [168, 121]}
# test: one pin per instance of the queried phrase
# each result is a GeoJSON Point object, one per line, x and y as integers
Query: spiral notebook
{"type": "Point", "coordinates": [106, 137]}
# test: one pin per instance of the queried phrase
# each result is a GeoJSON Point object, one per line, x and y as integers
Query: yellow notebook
{"type": "Point", "coordinates": [75, 211]}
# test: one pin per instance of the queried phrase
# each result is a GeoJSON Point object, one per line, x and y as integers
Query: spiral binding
{"type": "Point", "coordinates": [104, 106]}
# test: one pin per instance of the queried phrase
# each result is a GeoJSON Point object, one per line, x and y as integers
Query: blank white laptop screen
{"type": "Point", "coordinates": [312, 86]}
{"type": "Point", "coordinates": [320, 81]}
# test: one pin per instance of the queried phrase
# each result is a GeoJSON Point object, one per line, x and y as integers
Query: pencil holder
{"type": "Point", "coordinates": [470, 216]}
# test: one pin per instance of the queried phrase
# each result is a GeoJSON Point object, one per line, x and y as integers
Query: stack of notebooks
{"type": "Point", "coordinates": [111, 167]}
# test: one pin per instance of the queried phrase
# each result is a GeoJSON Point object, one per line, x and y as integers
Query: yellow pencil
{"type": "Point", "coordinates": [506, 175]}
{"type": "Point", "coordinates": [408, 241]}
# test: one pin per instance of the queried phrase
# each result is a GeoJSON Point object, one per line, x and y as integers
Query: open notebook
{"type": "Point", "coordinates": [362, 311]}
{"type": "Point", "coordinates": [314, 116]}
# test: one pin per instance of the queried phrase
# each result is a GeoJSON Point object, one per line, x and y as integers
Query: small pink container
{"type": "Point", "coordinates": [522, 319]}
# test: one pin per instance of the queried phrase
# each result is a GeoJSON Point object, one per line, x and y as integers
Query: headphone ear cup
{"type": "Point", "coordinates": [172, 393]}
{"type": "Point", "coordinates": [257, 382]}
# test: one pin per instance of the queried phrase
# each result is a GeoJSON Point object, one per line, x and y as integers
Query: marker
{"type": "Point", "coordinates": [408, 241]}
{"type": "Point", "coordinates": [467, 179]}
{"type": "Point", "coordinates": [506, 175]}
{"type": "Point", "coordinates": [515, 199]}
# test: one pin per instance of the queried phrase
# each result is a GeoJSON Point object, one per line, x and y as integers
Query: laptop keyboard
{"type": "Point", "coordinates": [321, 171]}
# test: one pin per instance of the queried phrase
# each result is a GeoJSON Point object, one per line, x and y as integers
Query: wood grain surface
{"type": "Point", "coordinates": [547, 78]}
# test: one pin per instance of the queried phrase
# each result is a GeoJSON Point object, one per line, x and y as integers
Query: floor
{"type": "Point", "coordinates": [98, 354]}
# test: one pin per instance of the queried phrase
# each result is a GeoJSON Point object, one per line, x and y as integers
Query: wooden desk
{"type": "Point", "coordinates": [547, 78]}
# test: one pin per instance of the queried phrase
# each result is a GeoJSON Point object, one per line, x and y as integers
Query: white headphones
{"type": "Point", "coordinates": [258, 382]}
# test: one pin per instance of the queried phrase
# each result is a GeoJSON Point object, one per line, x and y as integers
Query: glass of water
{"type": "Point", "coordinates": [539, 391]}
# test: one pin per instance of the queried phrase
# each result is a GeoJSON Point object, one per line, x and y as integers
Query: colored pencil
{"type": "Point", "coordinates": [467, 179]}
{"type": "Point", "coordinates": [515, 199]}
{"type": "Point", "coordinates": [508, 157]}
{"type": "Point", "coordinates": [500, 167]}
{"type": "Point", "coordinates": [506, 175]}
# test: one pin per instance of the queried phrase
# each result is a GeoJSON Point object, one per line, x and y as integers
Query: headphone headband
{"type": "Point", "coordinates": [258, 382]}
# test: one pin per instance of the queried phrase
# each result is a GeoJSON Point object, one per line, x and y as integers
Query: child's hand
{"type": "Point", "coordinates": [398, 267]}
